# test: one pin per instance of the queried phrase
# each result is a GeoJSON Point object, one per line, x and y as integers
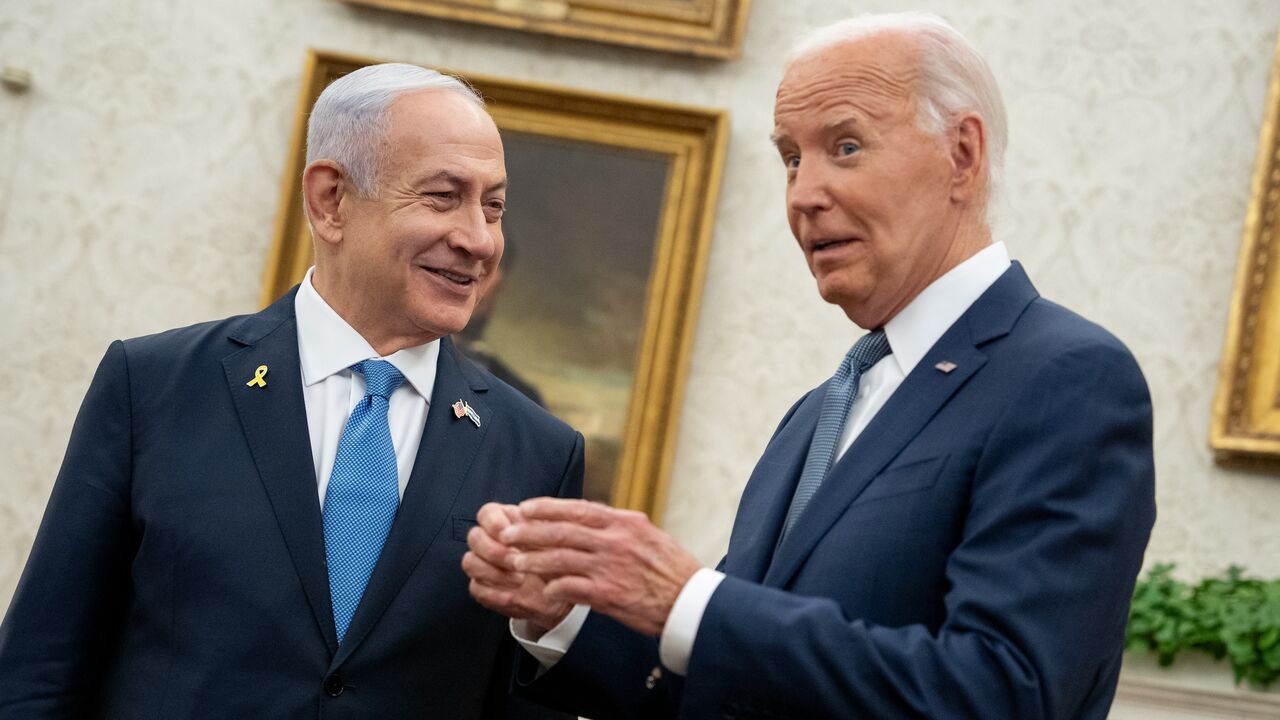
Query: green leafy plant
{"type": "Point", "coordinates": [1233, 616]}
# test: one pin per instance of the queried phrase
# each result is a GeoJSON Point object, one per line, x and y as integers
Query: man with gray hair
{"type": "Point", "coordinates": [950, 527]}
{"type": "Point", "coordinates": [263, 516]}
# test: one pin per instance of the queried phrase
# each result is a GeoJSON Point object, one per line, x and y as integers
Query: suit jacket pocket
{"type": "Point", "coordinates": [908, 477]}
{"type": "Point", "coordinates": [462, 526]}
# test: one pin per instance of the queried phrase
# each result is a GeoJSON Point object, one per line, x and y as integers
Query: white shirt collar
{"type": "Point", "coordinates": [327, 345]}
{"type": "Point", "coordinates": [926, 318]}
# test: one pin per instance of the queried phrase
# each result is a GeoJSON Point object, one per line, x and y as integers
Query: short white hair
{"type": "Point", "coordinates": [349, 120]}
{"type": "Point", "coordinates": [953, 79]}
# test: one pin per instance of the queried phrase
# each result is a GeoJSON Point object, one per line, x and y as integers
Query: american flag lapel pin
{"type": "Point", "coordinates": [459, 409]}
{"type": "Point", "coordinates": [946, 366]}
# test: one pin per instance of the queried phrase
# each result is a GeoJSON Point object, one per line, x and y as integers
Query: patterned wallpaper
{"type": "Point", "coordinates": [139, 183]}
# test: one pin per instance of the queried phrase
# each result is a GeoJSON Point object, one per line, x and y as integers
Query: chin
{"type": "Point", "coordinates": [443, 313]}
{"type": "Point", "coordinates": [836, 292]}
{"type": "Point", "coordinates": [448, 327]}
{"type": "Point", "coordinates": [854, 304]}
{"type": "Point", "coordinates": [439, 323]}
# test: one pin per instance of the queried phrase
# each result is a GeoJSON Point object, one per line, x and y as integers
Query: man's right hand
{"type": "Point", "coordinates": [496, 584]}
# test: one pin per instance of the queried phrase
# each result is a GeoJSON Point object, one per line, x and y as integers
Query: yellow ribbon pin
{"type": "Point", "coordinates": [258, 376]}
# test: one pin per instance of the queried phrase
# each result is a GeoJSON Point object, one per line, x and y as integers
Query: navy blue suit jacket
{"type": "Point", "coordinates": [971, 556]}
{"type": "Point", "coordinates": [179, 571]}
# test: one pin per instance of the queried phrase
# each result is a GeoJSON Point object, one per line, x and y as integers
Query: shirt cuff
{"type": "Point", "coordinates": [676, 644]}
{"type": "Point", "coordinates": [554, 643]}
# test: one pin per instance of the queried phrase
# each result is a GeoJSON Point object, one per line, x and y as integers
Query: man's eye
{"type": "Point", "coordinates": [792, 161]}
{"type": "Point", "coordinates": [495, 210]}
{"type": "Point", "coordinates": [848, 148]}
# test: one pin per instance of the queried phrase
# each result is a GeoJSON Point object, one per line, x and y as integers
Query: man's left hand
{"type": "Point", "coordinates": [496, 585]}
{"type": "Point", "coordinates": [616, 561]}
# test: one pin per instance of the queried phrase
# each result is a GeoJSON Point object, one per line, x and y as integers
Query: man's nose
{"type": "Point", "coordinates": [808, 191]}
{"type": "Point", "coordinates": [473, 234]}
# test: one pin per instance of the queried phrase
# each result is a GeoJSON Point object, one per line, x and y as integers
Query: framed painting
{"type": "Point", "coordinates": [610, 209]}
{"type": "Point", "coordinates": [1246, 412]}
{"type": "Point", "coordinates": [708, 28]}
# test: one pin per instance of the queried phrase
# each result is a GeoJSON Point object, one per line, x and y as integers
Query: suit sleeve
{"type": "Point", "coordinates": [1061, 508]}
{"type": "Point", "coordinates": [572, 478]}
{"type": "Point", "coordinates": [61, 623]}
{"type": "Point", "coordinates": [609, 672]}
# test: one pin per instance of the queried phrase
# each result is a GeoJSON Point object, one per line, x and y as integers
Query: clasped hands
{"type": "Point", "coordinates": [536, 560]}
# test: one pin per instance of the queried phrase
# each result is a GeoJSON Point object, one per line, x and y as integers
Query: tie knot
{"type": "Point", "coordinates": [381, 378]}
{"type": "Point", "coordinates": [869, 350]}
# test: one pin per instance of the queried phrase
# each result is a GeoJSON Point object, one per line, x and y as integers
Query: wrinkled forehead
{"type": "Point", "coordinates": [879, 74]}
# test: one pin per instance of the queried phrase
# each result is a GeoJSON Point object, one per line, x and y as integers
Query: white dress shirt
{"type": "Point", "coordinates": [912, 332]}
{"type": "Point", "coordinates": [327, 348]}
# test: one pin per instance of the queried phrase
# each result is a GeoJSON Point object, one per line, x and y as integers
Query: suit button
{"type": "Point", "coordinates": [333, 686]}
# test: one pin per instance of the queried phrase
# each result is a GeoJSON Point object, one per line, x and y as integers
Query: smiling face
{"type": "Point", "coordinates": [869, 194]}
{"type": "Point", "coordinates": [406, 266]}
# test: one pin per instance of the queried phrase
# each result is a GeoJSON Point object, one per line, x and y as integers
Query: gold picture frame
{"type": "Point", "coordinates": [1246, 411]}
{"type": "Point", "coordinates": [681, 150]}
{"type": "Point", "coordinates": [706, 28]}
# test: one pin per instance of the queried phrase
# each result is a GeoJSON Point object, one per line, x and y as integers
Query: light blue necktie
{"type": "Point", "coordinates": [841, 390]}
{"type": "Point", "coordinates": [363, 494]}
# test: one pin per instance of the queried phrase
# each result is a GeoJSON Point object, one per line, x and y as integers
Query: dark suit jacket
{"type": "Point", "coordinates": [179, 571]}
{"type": "Point", "coordinates": [971, 556]}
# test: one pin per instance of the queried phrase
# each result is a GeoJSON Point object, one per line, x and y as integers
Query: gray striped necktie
{"type": "Point", "coordinates": [841, 391]}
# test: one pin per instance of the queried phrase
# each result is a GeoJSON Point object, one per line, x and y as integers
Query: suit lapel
{"type": "Point", "coordinates": [768, 493]}
{"type": "Point", "coordinates": [920, 396]}
{"type": "Point", "coordinates": [449, 445]}
{"type": "Point", "coordinates": [274, 420]}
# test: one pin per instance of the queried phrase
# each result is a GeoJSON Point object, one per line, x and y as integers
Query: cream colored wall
{"type": "Point", "coordinates": [139, 181]}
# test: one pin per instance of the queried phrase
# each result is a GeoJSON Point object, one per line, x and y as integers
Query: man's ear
{"type": "Point", "coordinates": [323, 187]}
{"type": "Point", "coordinates": [968, 146]}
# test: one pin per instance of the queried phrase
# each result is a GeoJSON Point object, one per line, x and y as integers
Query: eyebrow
{"type": "Point", "coordinates": [845, 123]}
{"type": "Point", "coordinates": [453, 179]}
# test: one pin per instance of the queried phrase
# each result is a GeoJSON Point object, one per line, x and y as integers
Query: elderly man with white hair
{"type": "Point", "coordinates": [949, 527]}
{"type": "Point", "coordinates": [263, 516]}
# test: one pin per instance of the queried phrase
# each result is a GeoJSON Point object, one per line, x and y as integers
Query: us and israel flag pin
{"type": "Point", "coordinates": [462, 409]}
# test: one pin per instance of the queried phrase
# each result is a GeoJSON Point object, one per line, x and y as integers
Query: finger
{"type": "Point", "coordinates": [490, 550]}
{"type": "Point", "coordinates": [477, 569]}
{"type": "Point", "coordinates": [583, 512]}
{"type": "Point", "coordinates": [499, 601]}
{"type": "Point", "coordinates": [574, 589]}
{"type": "Point", "coordinates": [493, 517]}
{"type": "Point", "coordinates": [556, 562]}
{"type": "Point", "coordinates": [531, 535]}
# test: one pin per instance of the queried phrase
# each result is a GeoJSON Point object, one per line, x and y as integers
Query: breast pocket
{"type": "Point", "coordinates": [908, 477]}
{"type": "Point", "coordinates": [462, 526]}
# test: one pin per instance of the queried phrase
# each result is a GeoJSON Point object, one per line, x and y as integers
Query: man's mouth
{"type": "Point", "coordinates": [821, 245]}
{"type": "Point", "coordinates": [452, 276]}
